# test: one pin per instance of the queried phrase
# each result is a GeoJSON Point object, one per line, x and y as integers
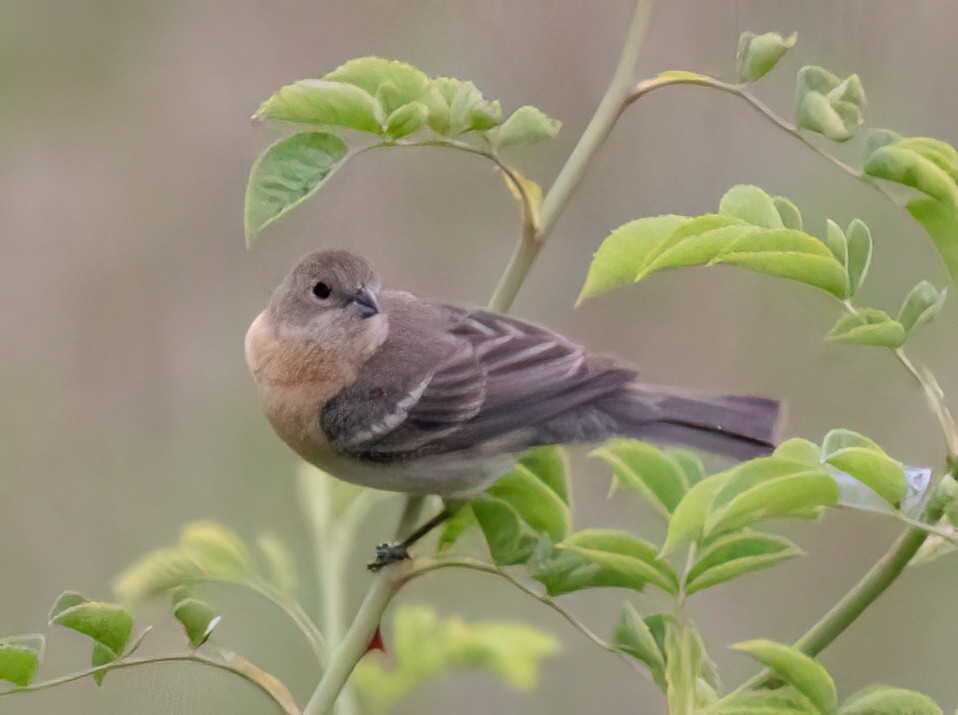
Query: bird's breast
{"type": "Point", "coordinates": [295, 381]}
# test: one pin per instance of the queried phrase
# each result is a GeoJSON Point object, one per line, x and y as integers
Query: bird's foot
{"type": "Point", "coordinates": [388, 554]}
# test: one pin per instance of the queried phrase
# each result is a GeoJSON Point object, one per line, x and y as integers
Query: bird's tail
{"type": "Point", "coordinates": [738, 427]}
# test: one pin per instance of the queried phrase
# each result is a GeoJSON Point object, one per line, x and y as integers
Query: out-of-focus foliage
{"type": "Point", "coordinates": [424, 646]}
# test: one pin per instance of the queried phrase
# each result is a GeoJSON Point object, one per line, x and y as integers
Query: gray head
{"type": "Point", "coordinates": [326, 294]}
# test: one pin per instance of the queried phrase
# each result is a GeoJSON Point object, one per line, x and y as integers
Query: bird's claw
{"type": "Point", "coordinates": [388, 554]}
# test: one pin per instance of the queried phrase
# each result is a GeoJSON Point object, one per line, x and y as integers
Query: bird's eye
{"type": "Point", "coordinates": [321, 290]}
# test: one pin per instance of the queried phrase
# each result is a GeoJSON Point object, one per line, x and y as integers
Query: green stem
{"type": "Point", "coordinates": [606, 114]}
{"type": "Point", "coordinates": [357, 639]}
{"type": "Point", "coordinates": [269, 685]}
{"type": "Point", "coordinates": [610, 108]}
{"type": "Point", "coordinates": [329, 529]}
{"type": "Point", "coordinates": [861, 596]}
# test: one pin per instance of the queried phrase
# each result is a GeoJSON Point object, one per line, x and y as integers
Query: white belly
{"type": "Point", "coordinates": [450, 475]}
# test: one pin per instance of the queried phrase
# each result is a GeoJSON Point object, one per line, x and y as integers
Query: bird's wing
{"type": "Point", "coordinates": [476, 377]}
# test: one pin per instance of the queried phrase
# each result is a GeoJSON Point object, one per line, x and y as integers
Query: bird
{"type": "Point", "coordinates": [390, 390]}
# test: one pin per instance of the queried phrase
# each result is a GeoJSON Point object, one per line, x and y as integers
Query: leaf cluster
{"type": "Point", "coordinates": [387, 99]}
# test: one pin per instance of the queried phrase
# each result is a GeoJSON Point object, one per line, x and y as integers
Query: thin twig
{"type": "Point", "coordinates": [695, 80]}
{"type": "Point", "coordinates": [425, 566]}
{"type": "Point", "coordinates": [282, 698]}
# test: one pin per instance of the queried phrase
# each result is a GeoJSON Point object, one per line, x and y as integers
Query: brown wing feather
{"type": "Point", "coordinates": [478, 377]}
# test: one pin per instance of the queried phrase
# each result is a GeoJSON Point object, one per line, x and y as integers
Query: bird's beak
{"type": "Point", "coordinates": [365, 301]}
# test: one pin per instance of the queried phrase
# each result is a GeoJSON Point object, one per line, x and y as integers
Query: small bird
{"type": "Point", "coordinates": [393, 391]}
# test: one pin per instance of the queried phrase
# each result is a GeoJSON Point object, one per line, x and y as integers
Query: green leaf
{"type": "Point", "coordinates": [617, 261]}
{"type": "Point", "coordinates": [940, 153]}
{"type": "Point", "coordinates": [510, 539]}
{"type": "Point", "coordinates": [527, 125]}
{"type": "Point", "coordinates": [485, 115]}
{"type": "Point", "coordinates": [688, 462]}
{"type": "Point", "coordinates": [406, 120]}
{"type": "Point", "coordinates": [688, 520]}
{"type": "Point", "coordinates": [646, 470]}
{"type": "Point", "coordinates": [787, 254]}
{"type": "Point", "coordinates": [837, 241]}
{"type": "Point", "coordinates": [424, 646]}
{"type": "Point", "coordinates": [20, 657]}
{"type": "Point", "coordinates": [838, 121]}
{"type": "Point", "coordinates": [752, 205]}
{"type": "Point", "coordinates": [788, 212]}
{"type": "Point", "coordinates": [456, 107]}
{"type": "Point", "coordinates": [901, 164]}
{"type": "Point", "coordinates": [596, 558]}
{"type": "Point", "coordinates": [551, 465]}
{"type": "Point", "coordinates": [863, 459]}
{"type": "Point", "coordinates": [280, 568]}
{"type": "Point", "coordinates": [198, 620]}
{"type": "Point", "coordinates": [466, 105]}
{"type": "Point", "coordinates": [67, 599]}
{"type": "Point", "coordinates": [797, 669]}
{"type": "Point", "coordinates": [799, 450]}
{"type": "Point", "coordinates": [632, 636]}
{"type": "Point", "coordinates": [758, 54]}
{"type": "Point", "coordinates": [530, 500]}
{"type": "Point", "coordinates": [693, 243]}
{"type": "Point", "coordinates": [682, 663]}
{"type": "Point", "coordinates": [107, 623]}
{"type": "Point", "coordinates": [288, 173]}
{"type": "Point", "coordinates": [859, 254]}
{"type": "Point", "coordinates": [869, 326]}
{"type": "Point", "coordinates": [782, 701]}
{"type": "Point", "coordinates": [922, 304]}
{"type": "Point", "coordinates": [535, 501]}
{"type": "Point", "coordinates": [941, 223]}
{"type": "Point", "coordinates": [749, 233]}
{"type": "Point", "coordinates": [394, 83]}
{"type": "Point", "coordinates": [437, 99]}
{"type": "Point", "coordinates": [217, 550]}
{"type": "Point", "coordinates": [206, 551]}
{"type": "Point", "coordinates": [930, 166]}
{"type": "Point", "coordinates": [886, 700]}
{"type": "Point", "coordinates": [841, 438]}
{"type": "Point", "coordinates": [155, 574]}
{"type": "Point", "coordinates": [102, 655]}
{"type": "Point", "coordinates": [324, 103]}
{"type": "Point", "coordinates": [736, 554]}
{"type": "Point", "coordinates": [769, 487]}
{"type": "Point", "coordinates": [877, 470]}
{"type": "Point", "coordinates": [455, 526]}
{"type": "Point", "coordinates": [829, 105]}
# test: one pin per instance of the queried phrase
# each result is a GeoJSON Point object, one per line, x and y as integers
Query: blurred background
{"type": "Point", "coordinates": [125, 290]}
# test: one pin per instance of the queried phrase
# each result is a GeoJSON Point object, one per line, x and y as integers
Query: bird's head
{"type": "Point", "coordinates": [329, 297]}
